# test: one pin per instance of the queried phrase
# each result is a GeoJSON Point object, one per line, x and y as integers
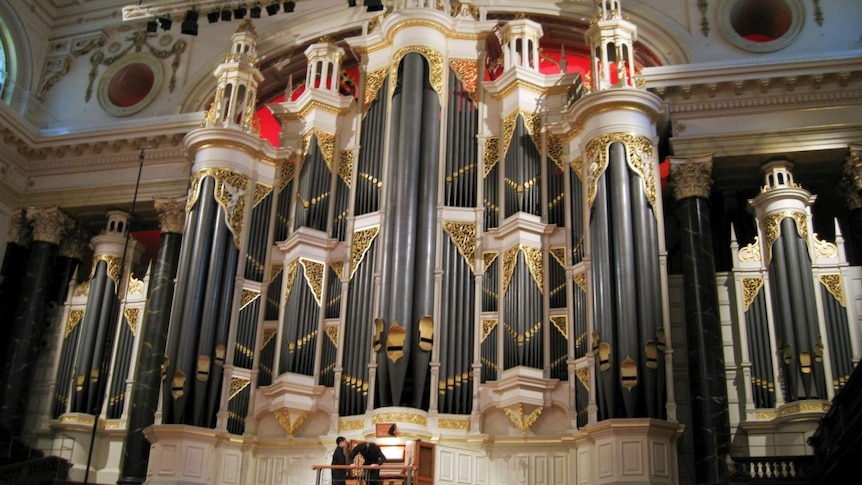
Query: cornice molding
{"type": "Point", "coordinates": [777, 101]}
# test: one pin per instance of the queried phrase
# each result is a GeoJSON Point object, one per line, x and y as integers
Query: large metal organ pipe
{"type": "Point", "coordinates": [409, 234]}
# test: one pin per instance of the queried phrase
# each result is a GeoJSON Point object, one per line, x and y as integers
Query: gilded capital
{"type": "Point", "coordinates": [691, 177]}
{"type": "Point", "coordinates": [172, 214]}
{"type": "Point", "coordinates": [19, 229]}
{"type": "Point", "coordinates": [75, 243]}
{"type": "Point", "coordinates": [851, 169]}
{"type": "Point", "coordinates": [49, 224]}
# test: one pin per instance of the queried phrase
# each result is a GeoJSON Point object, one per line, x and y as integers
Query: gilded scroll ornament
{"type": "Point", "coordinates": [578, 167]}
{"type": "Point", "coordinates": [453, 423]}
{"type": "Point", "coordinates": [337, 267]}
{"type": "Point", "coordinates": [274, 271]}
{"type": "Point", "coordinates": [326, 143]}
{"type": "Point", "coordinates": [510, 257]}
{"type": "Point", "coordinates": [488, 258]}
{"type": "Point", "coordinates": [561, 323]}
{"type": "Point", "coordinates": [559, 254]}
{"type": "Point", "coordinates": [772, 228]}
{"type": "Point", "coordinates": [237, 384]}
{"type": "Point", "coordinates": [488, 325]}
{"type": "Point", "coordinates": [640, 158]}
{"type": "Point", "coordinates": [290, 426]}
{"type": "Point", "coordinates": [359, 246]}
{"type": "Point", "coordinates": [373, 82]}
{"type": "Point", "coordinates": [750, 288]}
{"type": "Point", "coordinates": [131, 315]}
{"type": "Point", "coordinates": [287, 170]}
{"type": "Point", "coordinates": [75, 317]}
{"type": "Point", "coordinates": [463, 236]}
{"type": "Point", "coordinates": [113, 263]}
{"type": "Point", "coordinates": [400, 417]}
{"type": "Point", "coordinates": [82, 289]}
{"type": "Point", "coordinates": [229, 192]}
{"type": "Point", "coordinates": [536, 263]}
{"type": "Point", "coordinates": [522, 421]}
{"type": "Point", "coordinates": [290, 278]}
{"type": "Point", "coordinates": [345, 167]}
{"type": "Point", "coordinates": [268, 334]}
{"type": "Point", "coordinates": [435, 63]}
{"type": "Point", "coordinates": [467, 72]}
{"type": "Point", "coordinates": [260, 192]}
{"type": "Point", "coordinates": [351, 424]}
{"type": "Point", "coordinates": [832, 283]}
{"type": "Point", "coordinates": [750, 252]}
{"type": "Point", "coordinates": [247, 297]}
{"type": "Point", "coordinates": [581, 280]}
{"type": "Point", "coordinates": [584, 377]}
{"type": "Point", "coordinates": [314, 277]}
{"type": "Point", "coordinates": [332, 333]}
{"type": "Point", "coordinates": [492, 154]}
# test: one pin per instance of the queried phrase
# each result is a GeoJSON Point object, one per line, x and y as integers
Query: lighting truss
{"type": "Point", "coordinates": [177, 8]}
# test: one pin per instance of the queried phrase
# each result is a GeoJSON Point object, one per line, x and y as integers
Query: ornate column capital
{"type": "Point", "coordinates": [172, 213]}
{"type": "Point", "coordinates": [75, 243]}
{"type": "Point", "coordinates": [691, 177]}
{"type": "Point", "coordinates": [851, 177]}
{"type": "Point", "coordinates": [49, 224]}
{"type": "Point", "coordinates": [19, 229]}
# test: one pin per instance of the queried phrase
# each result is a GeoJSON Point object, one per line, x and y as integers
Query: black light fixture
{"type": "Point", "coordinates": [190, 23]}
{"type": "Point", "coordinates": [165, 23]}
{"type": "Point", "coordinates": [240, 11]}
{"type": "Point", "coordinates": [225, 14]}
{"type": "Point", "coordinates": [373, 5]}
{"type": "Point", "coordinates": [351, 3]}
{"type": "Point", "coordinates": [289, 5]}
{"type": "Point", "coordinates": [152, 25]}
{"type": "Point", "coordinates": [272, 8]}
{"type": "Point", "coordinates": [213, 16]}
{"type": "Point", "coordinates": [254, 11]}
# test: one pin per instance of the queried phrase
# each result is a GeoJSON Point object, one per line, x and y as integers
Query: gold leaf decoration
{"type": "Point", "coordinates": [325, 142]}
{"type": "Point", "coordinates": [248, 296]}
{"type": "Point", "coordinates": [832, 283]}
{"type": "Point", "coordinates": [559, 254]}
{"type": "Point", "coordinates": [640, 158]}
{"type": "Point", "coordinates": [230, 193]}
{"type": "Point", "coordinates": [345, 167]}
{"type": "Point", "coordinates": [332, 333]}
{"type": "Point", "coordinates": [373, 81]}
{"type": "Point", "coordinates": [131, 315]}
{"type": "Point", "coordinates": [237, 384]}
{"type": "Point", "coordinates": [492, 154]}
{"type": "Point", "coordinates": [561, 323]}
{"type": "Point", "coordinates": [772, 228]}
{"type": "Point", "coordinates": [75, 317]}
{"type": "Point", "coordinates": [463, 236]}
{"type": "Point", "coordinates": [435, 62]}
{"type": "Point", "coordinates": [313, 277]}
{"type": "Point", "coordinates": [290, 278]}
{"type": "Point", "coordinates": [488, 258]}
{"type": "Point", "coordinates": [290, 426]}
{"type": "Point", "coordinates": [581, 280]}
{"type": "Point", "coordinates": [467, 72]}
{"type": "Point", "coordinates": [750, 288]}
{"type": "Point", "coordinates": [522, 421]}
{"type": "Point", "coordinates": [488, 325]}
{"type": "Point", "coordinates": [361, 243]}
{"type": "Point", "coordinates": [584, 377]}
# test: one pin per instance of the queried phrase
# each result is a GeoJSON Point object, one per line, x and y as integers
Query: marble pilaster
{"type": "Point", "coordinates": [49, 226]}
{"type": "Point", "coordinates": [691, 181]}
{"type": "Point", "coordinates": [154, 334]}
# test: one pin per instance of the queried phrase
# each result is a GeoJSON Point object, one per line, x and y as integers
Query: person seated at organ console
{"type": "Point", "coordinates": [369, 454]}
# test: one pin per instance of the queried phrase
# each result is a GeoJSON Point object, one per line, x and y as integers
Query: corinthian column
{"type": "Point", "coordinates": [851, 183]}
{"type": "Point", "coordinates": [691, 181]}
{"type": "Point", "coordinates": [49, 226]}
{"type": "Point", "coordinates": [154, 335]}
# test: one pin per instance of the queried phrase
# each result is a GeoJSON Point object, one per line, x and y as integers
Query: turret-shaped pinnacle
{"type": "Point", "coordinates": [238, 79]}
{"type": "Point", "coordinates": [611, 39]}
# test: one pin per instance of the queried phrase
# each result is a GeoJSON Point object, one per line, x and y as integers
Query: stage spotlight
{"type": "Point", "coordinates": [272, 8]}
{"type": "Point", "coordinates": [152, 26]}
{"type": "Point", "coordinates": [289, 5]}
{"type": "Point", "coordinates": [239, 12]}
{"type": "Point", "coordinates": [165, 23]}
{"type": "Point", "coordinates": [351, 3]}
{"type": "Point", "coordinates": [213, 16]}
{"type": "Point", "coordinates": [225, 14]}
{"type": "Point", "coordinates": [254, 11]}
{"type": "Point", "coordinates": [190, 23]}
{"type": "Point", "coordinates": [373, 5]}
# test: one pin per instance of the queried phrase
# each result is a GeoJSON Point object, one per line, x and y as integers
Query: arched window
{"type": "Point", "coordinates": [2, 68]}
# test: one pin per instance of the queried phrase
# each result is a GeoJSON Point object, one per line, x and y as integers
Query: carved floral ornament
{"type": "Point", "coordinates": [230, 193]}
{"type": "Point", "coordinates": [691, 177]}
{"type": "Point", "coordinates": [435, 63]}
{"type": "Point", "coordinates": [640, 157]}
{"type": "Point", "coordinates": [772, 229]}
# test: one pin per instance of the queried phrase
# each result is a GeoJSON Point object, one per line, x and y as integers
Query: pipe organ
{"type": "Point", "coordinates": [469, 243]}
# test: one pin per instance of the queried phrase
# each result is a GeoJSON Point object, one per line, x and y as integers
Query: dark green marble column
{"type": "Point", "coordinates": [14, 268]}
{"type": "Point", "coordinates": [691, 179]}
{"type": "Point", "coordinates": [49, 226]}
{"type": "Point", "coordinates": [154, 335]}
